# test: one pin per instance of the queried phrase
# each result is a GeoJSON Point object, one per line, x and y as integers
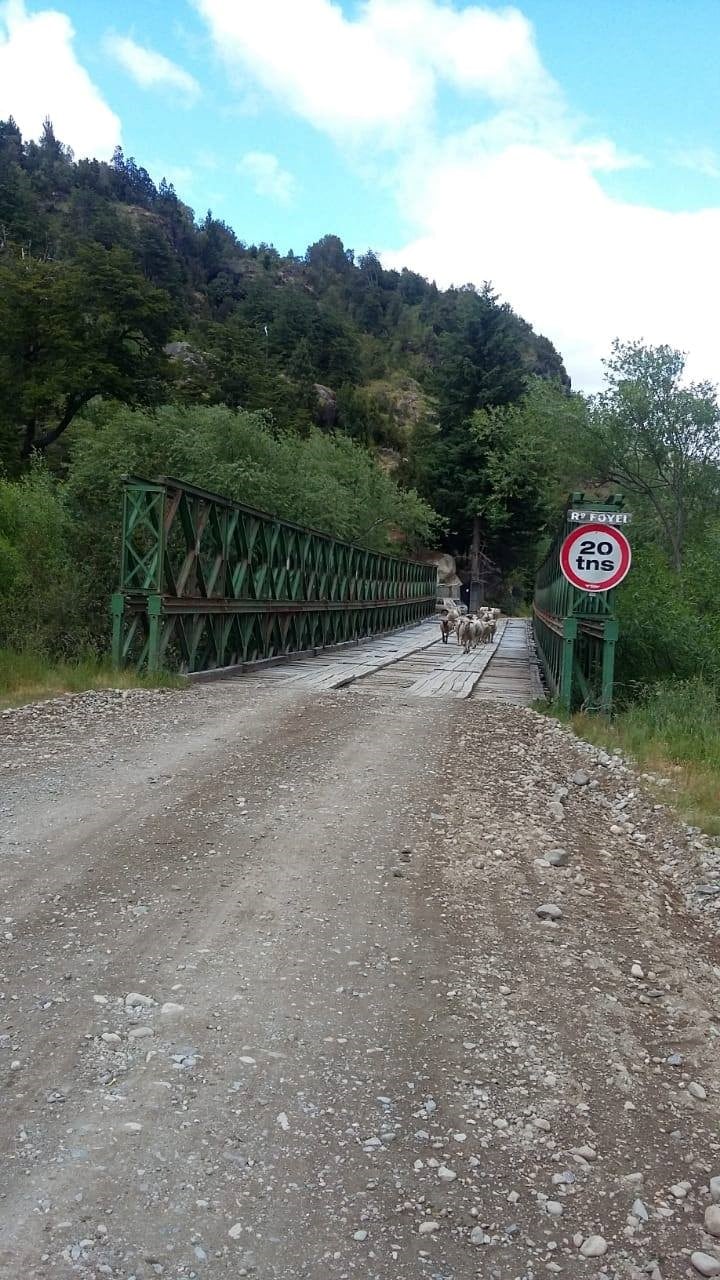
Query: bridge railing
{"type": "Point", "coordinates": [575, 631]}
{"type": "Point", "coordinates": [207, 583]}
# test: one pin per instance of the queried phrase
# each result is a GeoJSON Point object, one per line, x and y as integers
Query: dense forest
{"type": "Point", "coordinates": [133, 336]}
{"type": "Point", "coordinates": [113, 277]}
{"type": "Point", "coordinates": [367, 402]}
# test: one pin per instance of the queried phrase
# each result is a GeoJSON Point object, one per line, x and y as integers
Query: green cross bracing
{"type": "Point", "coordinates": [575, 631]}
{"type": "Point", "coordinates": [208, 583]}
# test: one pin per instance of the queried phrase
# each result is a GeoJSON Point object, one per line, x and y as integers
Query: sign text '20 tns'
{"type": "Point", "coordinates": [595, 557]}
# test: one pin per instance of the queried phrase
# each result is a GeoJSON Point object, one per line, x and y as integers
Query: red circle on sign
{"type": "Point", "coordinates": [616, 577]}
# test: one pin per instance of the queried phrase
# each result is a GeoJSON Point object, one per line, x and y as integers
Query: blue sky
{"type": "Point", "coordinates": [569, 152]}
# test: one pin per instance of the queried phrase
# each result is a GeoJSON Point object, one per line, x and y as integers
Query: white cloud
{"type": "Point", "coordinates": [267, 176]}
{"type": "Point", "coordinates": [704, 160]}
{"type": "Point", "coordinates": [381, 71]}
{"type": "Point", "coordinates": [581, 266]}
{"type": "Point", "coordinates": [517, 198]}
{"type": "Point", "coordinates": [151, 70]}
{"type": "Point", "coordinates": [40, 76]}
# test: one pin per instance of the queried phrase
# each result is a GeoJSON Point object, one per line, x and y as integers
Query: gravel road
{"type": "Point", "coordinates": [328, 986]}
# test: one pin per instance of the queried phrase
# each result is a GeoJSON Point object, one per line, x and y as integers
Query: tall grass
{"type": "Point", "coordinates": [25, 677]}
{"type": "Point", "coordinates": [674, 730]}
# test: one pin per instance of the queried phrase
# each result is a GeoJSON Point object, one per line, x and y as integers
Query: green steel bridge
{"type": "Point", "coordinates": [207, 583]}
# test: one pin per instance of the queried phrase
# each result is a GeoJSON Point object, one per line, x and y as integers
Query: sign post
{"type": "Point", "coordinates": [595, 557]}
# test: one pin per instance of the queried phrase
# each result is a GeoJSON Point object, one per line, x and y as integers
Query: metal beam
{"type": "Point", "coordinates": [575, 631]}
{"type": "Point", "coordinates": [206, 582]}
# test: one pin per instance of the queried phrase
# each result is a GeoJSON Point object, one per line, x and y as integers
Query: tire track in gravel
{"type": "Point", "coordinates": [384, 1063]}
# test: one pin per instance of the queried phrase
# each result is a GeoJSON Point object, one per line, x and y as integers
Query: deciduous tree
{"type": "Point", "coordinates": [659, 437]}
{"type": "Point", "coordinates": [70, 331]}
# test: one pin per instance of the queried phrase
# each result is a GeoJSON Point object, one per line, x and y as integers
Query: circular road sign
{"type": "Point", "coordinates": [595, 557]}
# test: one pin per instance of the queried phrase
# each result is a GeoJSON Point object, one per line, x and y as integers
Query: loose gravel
{"type": "Point", "coordinates": [324, 987]}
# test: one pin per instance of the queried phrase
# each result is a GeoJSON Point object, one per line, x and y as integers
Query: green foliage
{"type": "Point", "coordinates": [669, 621]}
{"type": "Point", "coordinates": [683, 716]}
{"type": "Point", "coordinates": [325, 481]}
{"type": "Point", "coordinates": [60, 538]}
{"type": "Point", "coordinates": [254, 330]}
{"type": "Point", "coordinates": [510, 465]}
{"type": "Point", "coordinates": [71, 331]}
{"type": "Point", "coordinates": [480, 361]}
{"type": "Point", "coordinates": [533, 450]}
{"type": "Point", "coordinates": [659, 438]}
{"type": "Point", "coordinates": [42, 596]}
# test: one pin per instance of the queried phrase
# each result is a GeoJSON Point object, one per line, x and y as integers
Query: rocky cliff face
{"type": "Point", "coordinates": [448, 580]}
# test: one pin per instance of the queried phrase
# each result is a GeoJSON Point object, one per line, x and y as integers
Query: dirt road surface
{"type": "Point", "coordinates": [276, 999]}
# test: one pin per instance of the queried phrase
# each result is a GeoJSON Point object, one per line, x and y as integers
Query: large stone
{"type": "Point", "coordinates": [712, 1220]}
{"type": "Point", "coordinates": [557, 857]}
{"type": "Point", "coordinates": [171, 1010]}
{"type": "Point", "coordinates": [549, 911]}
{"type": "Point", "coordinates": [593, 1247]}
{"type": "Point", "coordinates": [706, 1264]}
{"type": "Point", "coordinates": [326, 409]}
{"type": "Point", "coordinates": [135, 1000]}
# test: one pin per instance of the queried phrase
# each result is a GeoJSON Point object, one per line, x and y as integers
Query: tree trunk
{"type": "Point", "coordinates": [477, 593]}
{"type": "Point", "coordinates": [28, 441]}
{"type": "Point", "coordinates": [678, 539]}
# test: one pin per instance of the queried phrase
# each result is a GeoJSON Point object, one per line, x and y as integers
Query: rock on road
{"type": "Point", "coordinates": [327, 986]}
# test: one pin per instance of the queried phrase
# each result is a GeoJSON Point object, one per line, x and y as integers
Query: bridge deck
{"type": "Point", "coordinates": [415, 663]}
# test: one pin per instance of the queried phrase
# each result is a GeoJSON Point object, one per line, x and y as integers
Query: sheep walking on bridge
{"type": "Point", "coordinates": [449, 619]}
{"type": "Point", "coordinates": [478, 629]}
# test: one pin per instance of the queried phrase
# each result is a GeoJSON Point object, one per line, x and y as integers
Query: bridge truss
{"type": "Point", "coordinates": [575, 631]}
{"type": "Point", "coordinates": [207, 583]}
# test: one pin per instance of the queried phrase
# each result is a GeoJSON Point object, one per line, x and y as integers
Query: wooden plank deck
{"type": "Point", "coordinates": [335, 670]}
{"type": "Point", "coordinates": [414, 663]}
{"type": "Point", "coordinates": [511, 677]}
{"type": "Point", "coordinates": [456, 677]}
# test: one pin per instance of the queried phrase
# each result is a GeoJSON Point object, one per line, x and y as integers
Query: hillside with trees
{"type": "Point", "coordinates": [113, 280]}
{"type": "Point", "coordinates": [120, 312]}
{"type": "Point", "coordinates": [367, 402]}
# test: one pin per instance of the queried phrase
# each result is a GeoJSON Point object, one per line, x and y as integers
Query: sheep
{"type": "Point", "coordinates": [464, 633]}
{"type": "Point", "coordinates": [449, 619]}
{"type": "Point", "coordinates": [474, 633]}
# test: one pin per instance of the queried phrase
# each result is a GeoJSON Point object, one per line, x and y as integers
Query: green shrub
{"type": "Point", "coordinates": [42, 594]}
{"type": "Point", "coordinates": [669, 623]}
{"type": "Point", "coordinates": [682, 717]}
{"type": "Point", "coordinates": [60, 538]}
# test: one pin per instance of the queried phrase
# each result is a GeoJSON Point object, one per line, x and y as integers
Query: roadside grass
{"type": "Point", "coordinates": [28, 677]}
{"type": "Point", "coordinates": [673, 731]}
